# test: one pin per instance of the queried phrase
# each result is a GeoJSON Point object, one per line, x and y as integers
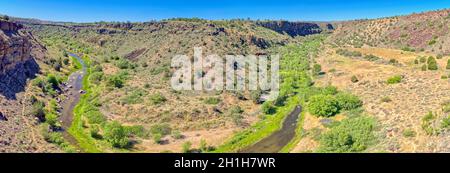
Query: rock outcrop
{"type": "Point", "coordinates": [16, 59]}
{"type": "Point", "coordinates": [293, 28]}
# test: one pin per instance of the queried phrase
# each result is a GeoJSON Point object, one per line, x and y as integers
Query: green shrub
{"type": "Point", "coordinates": [386, 99]}
{"type": "Point", "coordinates": [350, 135]}
{"type": "Point", "coordinates": [268, 108]}
{"type": "Point", "coordinates": [323, 105]}
{"type": "Point", "coordinates": [448, 64]}
{"type": "Point", "coordinates": [116, 81]}
{"type": "Point", "coordinates": [51, 119]}
{"type": "Point", "coordinates": [187, 147]}
{"type": "Point", "coordinates": [354, 79]}
{"type": "Point", "coordinates": [157, 98]}
{"type": "Point", "coordinates": [163, 129]}
{"type": "Point", "coordinates": [424, 67]}
{"type": "Point", "coordinates": [394, 79]}
{"type": "Point", "coordinates": [157, 138]}
{"type": "Point", "coordinates": [348, 101]}
{"type": "Point", "coordinates": [177, 134]}
{"type": "Point", "coordinates": [423, 59]}
{"type": "Point", "coordinates": [212, 100]}
{"type": "Point", "coordinates": [427, 121]}
{"type": "Point", "coordinates": [445, 122]}
{"type": "Point", "coordinates": [235, 113]}
{"type": "Point", "coordinates": [116, 135]}
{"type": "Point", "coordinates": [136, 130]}
{"type": "Point", "coordinates": [371, 58]}
{"type": "Point", "coordinates": [95, 132]}
{"type": "Point", "coordinates": [255, 96]}
{"type": "Point", "coordinates": [134, 97]}
{"type": "Point", "coordinates": [317, 69]}
{"type": "Point", "coordinates": [329, 90]}
{"type": "Point", "coordinates": [432, 63]}
{"type": "Point", "coordinates": [409, 133]}
{"type": "Point", "coordinates": [95, 117]}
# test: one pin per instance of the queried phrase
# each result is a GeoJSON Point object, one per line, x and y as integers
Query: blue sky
{"type": "Point", "coordinates": [141, 10]}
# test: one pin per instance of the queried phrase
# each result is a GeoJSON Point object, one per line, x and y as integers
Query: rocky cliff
{"type": "Point", "coordinates": [294, 28]}
{"type": "Point", "coordinates": [17, 49]}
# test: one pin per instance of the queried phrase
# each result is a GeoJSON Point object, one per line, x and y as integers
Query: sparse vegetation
{"type": "Point", "coordinates": [394, 79]}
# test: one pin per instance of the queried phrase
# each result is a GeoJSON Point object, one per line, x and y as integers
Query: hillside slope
{"type": "Point", "coordinates": [417, 32]}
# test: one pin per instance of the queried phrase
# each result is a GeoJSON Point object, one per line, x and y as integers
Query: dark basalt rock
{"type": "Point", "coordinates": [292, 28]}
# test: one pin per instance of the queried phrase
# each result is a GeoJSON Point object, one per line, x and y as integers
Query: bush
{"type": "Point", "coordinates": [255, 96]}
{"type": "Point", "coordinates": [350, 135]}
{"type": "Point", "coordinates": [116, 135]}
{"type": "Point", "coordinates": [348, 101]}
{"type": "Point", "coordinates": [268, 108]}
{"type": "Point", "coordinates": [116, 81]}
{"type": "Point", "coordinates": [317, 68]}
{"type": "Point", "coordinates": [386, 99]}
{"type": "Point", "coordinates": [95, 117]}
{"type": "Point", "coordinates": [212, 100]}
{"type": "Point", "coordinates": [448, 64]}
{"type": "Point", "coordinates": [329, 90]}
{"type": "Point", "coordinates": [51, 119]}
{"type": "Point", "coordinates": [187, 147]}
{"type": "Point", "coordinates": [423, 59]}
{"type": "Point", "coordinates": [445, 122]}
{"type": "Point", "coordinates": [432, 64]}
{"type": "Point", "coordinates": [427, 121]}
{"type": "Point", "coordinates": [409, 133]}
{"type": "Point", "coordinates": [394, 79]}
{"type": "Point", "coordinates": [323, 105]}
{"type": "Point", "coordinates": [136, 130]}
{"type": "Point", "coordinates": [354, 79]}
{"type": "Point", "coordinates": [38, 110]}
{"type": "Point", "coordinates": [157, 138]}
{"type": "Point", "coordinates": [95, 132]}
{"type": "Point", "coordinates": [177, 135]}
{"type": "Point", "coordinates": [371, 57]}
{"type": "Point", "coordinates": [157, 98]}
{"type": "Point", "coordinates": [235, 113]}
{"type": "Point", "coordinates": [163, 129]}
{"type": "Point", "coordinates": [424, 67]}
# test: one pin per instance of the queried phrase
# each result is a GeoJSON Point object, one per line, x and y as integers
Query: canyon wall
{"type": "Point", "coordinates": [16, 58]}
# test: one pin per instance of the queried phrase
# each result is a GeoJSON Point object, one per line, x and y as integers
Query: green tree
{"type": "Point", "coordinates": [323, 105]}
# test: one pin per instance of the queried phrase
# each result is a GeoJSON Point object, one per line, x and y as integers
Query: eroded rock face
{"type": "Point", "coordinates": [292, 28]}
{"type": "Point", "coordinates": [16, 60]}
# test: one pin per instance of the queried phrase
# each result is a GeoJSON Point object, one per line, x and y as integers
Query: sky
{"type": "Point", "coordinates": [146, 10]}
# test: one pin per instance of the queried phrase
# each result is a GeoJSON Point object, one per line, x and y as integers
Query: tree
{"type": "Point", "coordinates": [116, 135]}
{"type": "Point", "coordinates": [323, 105]}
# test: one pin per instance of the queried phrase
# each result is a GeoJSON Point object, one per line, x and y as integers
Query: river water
{"type": "Point", "coordinates": [277, 140]}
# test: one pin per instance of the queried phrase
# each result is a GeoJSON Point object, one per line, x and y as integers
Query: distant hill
{"type": "Point", "coordinates": [426, 31]}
